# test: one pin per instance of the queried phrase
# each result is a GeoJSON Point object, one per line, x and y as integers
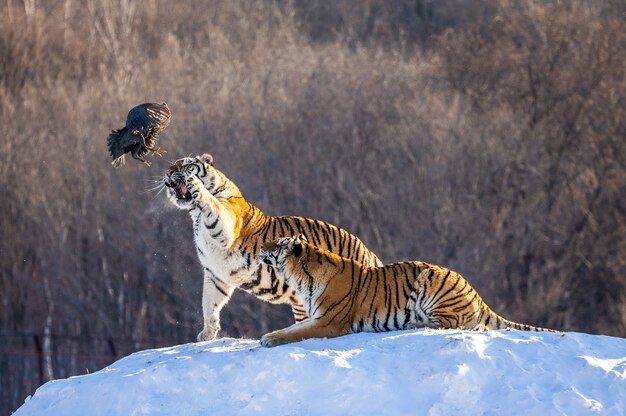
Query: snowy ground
{"type": "Point", "coordinates": [410, 373]}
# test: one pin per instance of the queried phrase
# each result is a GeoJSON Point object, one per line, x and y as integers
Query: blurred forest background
{"type": "Point", "coordinates": [487, 136]}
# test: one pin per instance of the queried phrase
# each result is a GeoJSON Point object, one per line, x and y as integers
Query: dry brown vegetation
{"type": "Point", "coordinates": [484, 136]}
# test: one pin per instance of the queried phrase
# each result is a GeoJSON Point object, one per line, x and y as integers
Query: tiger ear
{"type": "Point", "coordinates": [207, 158]}
{"type": "Point", "coordinates": [297, 245]}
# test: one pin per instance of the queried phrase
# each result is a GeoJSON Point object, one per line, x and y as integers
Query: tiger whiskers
{"type": "Point", "coordinates": [155, 185]}
{"type": "Point", "coordinates": [157, 190]}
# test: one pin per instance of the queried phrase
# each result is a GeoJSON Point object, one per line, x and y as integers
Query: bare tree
{"type": "Point", "coordinates": [486, 137]}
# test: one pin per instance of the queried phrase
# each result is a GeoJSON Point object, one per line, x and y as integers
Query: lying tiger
{"type": "Point", "coordinates": [343, 296]}
{"type": "Point", "coordinates": [229, 231]}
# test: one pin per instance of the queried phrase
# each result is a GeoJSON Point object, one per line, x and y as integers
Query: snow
{"type": "Point", "coordinates": [409, 372]}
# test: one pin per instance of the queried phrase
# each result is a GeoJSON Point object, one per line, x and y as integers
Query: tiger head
{"type": "Point", "coordinates": [177, 175]}
{"type": "Point", "coordinates": [275, 253]}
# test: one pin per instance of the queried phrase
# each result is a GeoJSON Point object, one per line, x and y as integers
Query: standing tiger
{"type": "Point", "coordinates": [228, 232]}
{"type": "Point", "coordinates": [343, 296]}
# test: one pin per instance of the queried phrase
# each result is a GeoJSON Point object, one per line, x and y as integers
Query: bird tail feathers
{"type": "Point", "coordinates": [116, 150]}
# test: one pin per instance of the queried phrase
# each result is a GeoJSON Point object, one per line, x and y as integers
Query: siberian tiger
{"type": "Point", "coordinates": [228, 232]}
{"type": "Point", "coordinates": [343, 296]}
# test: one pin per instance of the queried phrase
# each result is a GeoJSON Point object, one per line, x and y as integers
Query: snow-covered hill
{"type": "Point", "coordinates": [410, 373]}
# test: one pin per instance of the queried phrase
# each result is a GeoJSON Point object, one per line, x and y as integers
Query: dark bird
{"type": "Point", "coordinates": [143, 125]}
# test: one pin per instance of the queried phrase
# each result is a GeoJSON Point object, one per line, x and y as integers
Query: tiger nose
{"type": "Point", "coordinates": [170, 170]}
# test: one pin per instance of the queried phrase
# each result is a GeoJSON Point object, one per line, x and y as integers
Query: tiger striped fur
{"type": "Point", "coordinates": [343, 296]}
{"type": "Point", "coordinates": [229, 231]}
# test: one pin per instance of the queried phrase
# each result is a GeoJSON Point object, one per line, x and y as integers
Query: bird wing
{"type": "Point", "coordinates": [148, 116]}
{"type": "Point", "coordinates": [148, 119]}
{"type": "Point", "coordinates": [137, 119]}
{"type": "Point", "coordinates": [159, 114]}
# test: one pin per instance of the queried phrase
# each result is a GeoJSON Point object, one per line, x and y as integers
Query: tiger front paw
{"type": "Point", "coordinates": [271, 340]}
{"type": "Point", "coordinates": [194, 187]}
{"type": "Point", "coordinates": [207, 334]}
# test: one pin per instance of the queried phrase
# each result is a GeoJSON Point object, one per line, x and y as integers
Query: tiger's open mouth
{"type": "Point", "coordinates": [180, 188]}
